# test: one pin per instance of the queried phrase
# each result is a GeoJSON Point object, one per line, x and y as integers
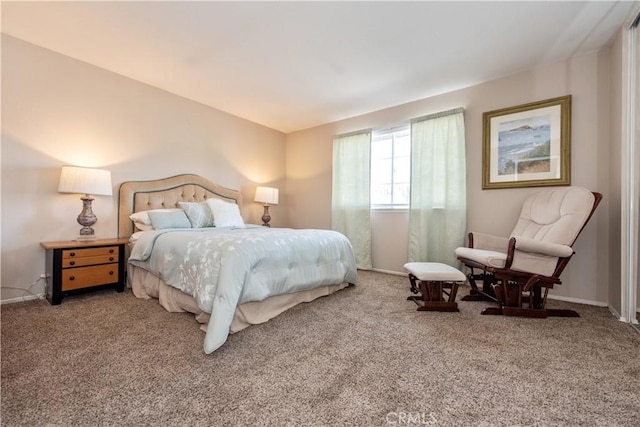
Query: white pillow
{"type": "Point", "coordinates": [225, 214]}
{"type": "Point", "coordinates": [140, 219]}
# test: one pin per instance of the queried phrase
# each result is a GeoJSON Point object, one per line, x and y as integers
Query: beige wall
{"type": "Point", "coordinates": [57, 111]}
{"type": "Point", "coordinates": [492, 211]}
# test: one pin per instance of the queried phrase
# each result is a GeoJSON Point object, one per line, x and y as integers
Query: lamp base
{"type": "Point", "coordinates": [266, 217]}
{"type": "Point", "coordinates": [86, 218]}
{"type": "Point", "coordinates": [85, 238]}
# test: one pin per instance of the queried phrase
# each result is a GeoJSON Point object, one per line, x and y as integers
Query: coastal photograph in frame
{"type": "Point", "coordinates": [527, 145]}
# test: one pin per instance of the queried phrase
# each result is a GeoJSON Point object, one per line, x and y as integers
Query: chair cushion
{"type": "Point", "coordinates": [435, 271]}
{"type": "Point", "coordinates": [555, 215]}
{"type": "Point", "coordinates": [534, 263]}
{"type": "Point", "coordinates": [484, 257]}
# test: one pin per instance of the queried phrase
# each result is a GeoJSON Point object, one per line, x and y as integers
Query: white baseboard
{"type": "Point", "coordinates": [395, 273]}
{"type": "Point", "coordinates": [578, 300]}
{"type": "Point", "coordinates": [615, 313]}
{"type": "Point", "coordinates": [22, 299]}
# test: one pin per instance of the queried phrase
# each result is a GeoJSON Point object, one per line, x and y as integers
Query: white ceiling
{"type": "Point", "coordinates": [295, 65]}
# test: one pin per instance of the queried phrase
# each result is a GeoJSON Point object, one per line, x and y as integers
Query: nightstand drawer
{"type": "Point", "coordinates": [82, 277]}
{"type": "Point", "coordinates": [89, 260]}
{"type": "Point", "coordinates": [90, 252]}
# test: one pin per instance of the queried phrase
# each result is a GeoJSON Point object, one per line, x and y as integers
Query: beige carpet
{"type": "Point", "coordinates": [361, 357]}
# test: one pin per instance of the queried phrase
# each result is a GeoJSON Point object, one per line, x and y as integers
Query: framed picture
{"type": "Point", "coordinates": [528, 145]}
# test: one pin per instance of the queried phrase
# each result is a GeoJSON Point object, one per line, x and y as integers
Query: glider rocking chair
{"type": "Point", "coordinates": [517, 272]}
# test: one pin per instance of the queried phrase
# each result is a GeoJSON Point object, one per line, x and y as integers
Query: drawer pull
{"type": "Point", "coordinates": [111, 273]}
{"type": "Point", "coordinates": [72, 278]}
{"type": "Point", "coordinates": [110, 258]}
{"type": "Point", "coordinates": [110, 251]}
{"type": "Point", "coordinates": [72, 263]}
{"type": "Point", "coordinates": [72, 254]}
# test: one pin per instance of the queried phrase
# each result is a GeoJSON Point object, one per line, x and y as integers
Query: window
{"type": "Point", "coordinates": [391, 168]}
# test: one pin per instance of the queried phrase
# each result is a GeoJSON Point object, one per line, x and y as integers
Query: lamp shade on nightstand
{"type": "Point", "coordinates": [266, 195]}
{"type": "Point", "coordinates": [89, 182]}
{"type": "Point", "coordinates": [80, 180]}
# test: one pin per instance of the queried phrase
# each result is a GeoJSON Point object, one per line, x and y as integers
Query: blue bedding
{"type": "Point", "coordinates": [224, 267]}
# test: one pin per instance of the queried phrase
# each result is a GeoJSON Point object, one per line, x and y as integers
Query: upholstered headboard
{"type": "Point", "coordinates": [136, 196]}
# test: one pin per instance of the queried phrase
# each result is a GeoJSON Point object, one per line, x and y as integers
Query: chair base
{"type": "Point", "coordinates": [528, 312]}
{"type": "Point", "coordinates": [439, 306]}
{"type": "Point", "coordinates": [478, 296]}
{"type": "Point", "coordinates": [512, 297]}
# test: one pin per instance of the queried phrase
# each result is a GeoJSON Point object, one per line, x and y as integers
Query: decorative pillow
{"type": "Point", "coordinates": [175, 219]}
{"type": "Point", "coordinates": [225, 214]}
{"type": "Point", "coordinates": [199, 214]}
{"type": "Point", "coordinates": [142, 217]}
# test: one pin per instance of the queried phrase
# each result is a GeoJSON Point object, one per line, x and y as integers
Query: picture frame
{"type": "Point", "coordinates": [528, 145]}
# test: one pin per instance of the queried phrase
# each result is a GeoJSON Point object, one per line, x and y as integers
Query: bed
{"type": "Point", "coordinates": [229, 276]}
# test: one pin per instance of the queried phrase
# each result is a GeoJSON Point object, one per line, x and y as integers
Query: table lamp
{"type": "Point", "coordinates": [89, 182]}
{"type": "Point", "coordinates": [267, 196]}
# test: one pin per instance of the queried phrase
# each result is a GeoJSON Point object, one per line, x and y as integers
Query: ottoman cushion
{"type": "Point", "coordinates": [435, 271]}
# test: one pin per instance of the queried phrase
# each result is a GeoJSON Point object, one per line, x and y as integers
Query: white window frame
{"type": "Point", "coordinates": [377, 134]}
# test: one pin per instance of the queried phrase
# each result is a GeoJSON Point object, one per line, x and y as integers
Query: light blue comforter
{"type": "Point", "coordinates": [224, 267]}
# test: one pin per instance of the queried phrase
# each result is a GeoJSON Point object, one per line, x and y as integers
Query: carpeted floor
{"type": "Point", "coordinates": [361, 357]}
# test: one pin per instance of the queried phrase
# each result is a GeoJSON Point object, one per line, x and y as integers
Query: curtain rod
{"type": "Point", "coordinates": [438, 115]}
{"type": "Point", "coordinates": [355, 132]}
{"type": "Point", "coordinates": [401, 124]}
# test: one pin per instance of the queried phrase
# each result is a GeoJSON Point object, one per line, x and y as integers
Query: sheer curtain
{"type": "Point", "coordinates": [350, 207]}
{"type": "Point", "coordinates": [438, 211]}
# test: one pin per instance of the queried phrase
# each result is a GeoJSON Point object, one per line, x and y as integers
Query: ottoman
{"type": "Point", "coordinates": [434, 281]}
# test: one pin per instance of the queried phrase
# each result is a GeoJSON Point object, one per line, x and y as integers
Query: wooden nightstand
{"type": "Point", "coordinates": [75, 266]}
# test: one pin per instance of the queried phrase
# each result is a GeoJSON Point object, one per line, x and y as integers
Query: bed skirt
{"type": "Point", "coordinates": [147, 285]}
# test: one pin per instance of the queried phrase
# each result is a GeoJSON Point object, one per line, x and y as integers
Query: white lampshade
{"type": "Point", "coordinates": [80, 180]}
{"type": "Point", "coordinates": [266, 195]}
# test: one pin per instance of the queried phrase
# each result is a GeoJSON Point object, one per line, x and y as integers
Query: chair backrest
{"type": "Point", "coordinates": [556, 215]}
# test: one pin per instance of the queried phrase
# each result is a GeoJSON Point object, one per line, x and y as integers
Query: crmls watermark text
{"type": "Point", "coordinates": [411, 418]}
